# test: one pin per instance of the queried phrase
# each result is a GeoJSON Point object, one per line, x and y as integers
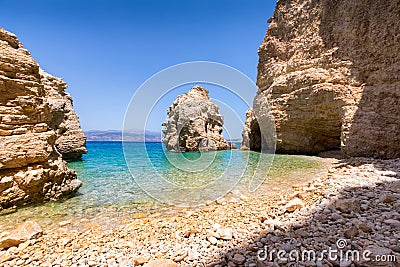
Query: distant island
{"type": "Point", "coordinates": [130, 136]}
{"type": "Point", "coordinates": [237, 140]}
{"type": "Point", "coordinates": [116, 135]}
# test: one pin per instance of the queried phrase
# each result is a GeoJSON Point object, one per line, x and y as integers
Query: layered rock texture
{"type": "Point", "coordinates": [37, 127]}
{"type": "Point", "coordinates": [23, 232]}
{"type": "Point", "coordinates": [251, 135]}
{"type": "Point", "coordinates": [194, 123]}
{"type": "Point", "coordinates": [329, 70]}
{"type": "Point", "coordinates": [71, 141]}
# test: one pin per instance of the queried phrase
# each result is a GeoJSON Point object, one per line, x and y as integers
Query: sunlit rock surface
{"type": "Point", "coordinates": [37, 127]}
{"type": "Point", "coordinates": [329, 71]}
{"type": "Point", "coordinates": [194, 123]}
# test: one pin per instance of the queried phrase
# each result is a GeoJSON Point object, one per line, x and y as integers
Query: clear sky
{"type": "Point", "coordinates": [105, 50]}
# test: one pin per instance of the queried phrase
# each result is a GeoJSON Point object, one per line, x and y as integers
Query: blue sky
{"type": "Point", "coordinates": [105, 50]}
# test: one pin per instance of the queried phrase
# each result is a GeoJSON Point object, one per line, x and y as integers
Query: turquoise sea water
{"type": "Point", "coordinates": [110, 179]}
{"type": "Point", "coordinates": [115, 172]}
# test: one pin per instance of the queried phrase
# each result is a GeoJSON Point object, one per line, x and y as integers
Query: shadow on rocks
{"type": "Point", "coordinates": [357, 221]}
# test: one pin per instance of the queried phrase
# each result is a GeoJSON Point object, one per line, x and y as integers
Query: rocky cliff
{"type": "Point", "coordinates": [37, 127]}
{"type": "Point", "coordinates": [194, 123]}
{"type": "Point", "coordinates": [329, 69]}
{"type": "Point", "coordinates": [251, 135]}
{"type": "Point", "coordinates": [71, 141]}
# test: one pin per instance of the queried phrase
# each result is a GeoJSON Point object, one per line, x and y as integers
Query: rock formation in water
{"type": "Point", "coordinates": [37, 127]}
{"type": "Point", "coordinates": [194, 123]}
{"type": "Point", "coordinates": [71, 140]}
{"type": "Point", "coordinates": [329, 70]}
{"type": "Point", "coordinates": [251, 135]}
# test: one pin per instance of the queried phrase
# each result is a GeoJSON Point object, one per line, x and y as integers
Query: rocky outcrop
{"type": "Point", "coordinates": [37, 122]}
{"type": "Point", "coordinates": [329, 71]}
{"type": "Point", "coordinates": [251, 135]}
{"type": "Point", "coordinates": [194, 123]}
{"type": "Point", "coordinates": [23, 232]}
{"type": "Point", "coordinates": [71, 141]}
{"type": "Point", "coordinates": [259, 131]}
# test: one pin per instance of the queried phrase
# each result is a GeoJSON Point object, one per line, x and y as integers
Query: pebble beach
{"type": "Point", "coordinates": [354, 201]}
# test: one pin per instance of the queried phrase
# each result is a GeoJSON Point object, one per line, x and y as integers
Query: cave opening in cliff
{"type": "Point", "coordinates": [255, 136]}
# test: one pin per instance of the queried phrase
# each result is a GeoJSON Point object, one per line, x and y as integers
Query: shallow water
{"type": "Point", "coordinates": [110, 187]}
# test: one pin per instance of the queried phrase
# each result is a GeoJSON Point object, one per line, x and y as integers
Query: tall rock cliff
{"type": "Point", "coordinates": [329, 69]}
{"type": "Point", "coordinates": [37, 127]}
{"type": "Point", "coordinates": [194, 123]}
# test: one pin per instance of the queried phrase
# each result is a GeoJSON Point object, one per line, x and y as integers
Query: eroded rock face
{"type": "Point", "coordinates": [37, 122]}
{"type": "Point", "coordinates": [330, 72]}
{"type": "Point", "coordinates": [259, 132]}
{"type": "Point", "coordinates": [71, 141]}
{"type": "Point", "coordinates": [194, 123]}
{"type": "Point", "coordinates": [251, 135]}
{"type": "Point", "coordinates": [23, 232]}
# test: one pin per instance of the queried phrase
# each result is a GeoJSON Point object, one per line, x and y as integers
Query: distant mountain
{"type": "Point", "coordinates": [116, 135]}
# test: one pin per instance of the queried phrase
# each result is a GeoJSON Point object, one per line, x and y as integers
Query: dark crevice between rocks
{"type": "Point", "coordinates": [255, 137]}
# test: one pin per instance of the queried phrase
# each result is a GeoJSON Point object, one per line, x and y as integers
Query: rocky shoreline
{"type": "Point", "coordinates": [39, 129]}
{"type": "Point", "coordinates": [356, 201]}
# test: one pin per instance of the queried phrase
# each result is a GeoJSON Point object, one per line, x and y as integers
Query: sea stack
{"type": "Point", "coordinates": [38, 127]}
{"type": "Point", "coordinates": [194, 123]}
{"type": "Point", "coordinates": [329, 71]}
